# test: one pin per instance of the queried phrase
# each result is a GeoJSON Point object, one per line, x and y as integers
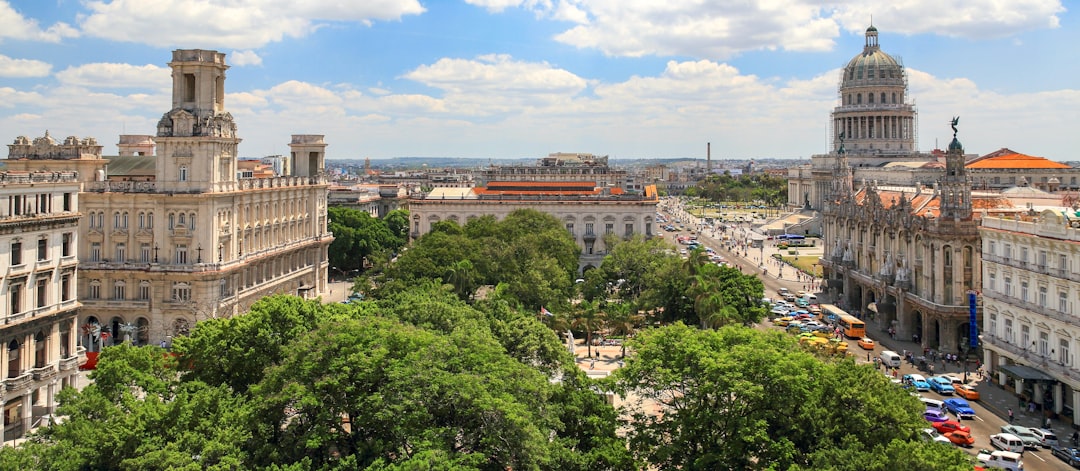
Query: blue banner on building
{"type": "Point", "coordinates": [973, 323]}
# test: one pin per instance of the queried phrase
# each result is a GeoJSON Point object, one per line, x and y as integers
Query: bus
{"type": "Point", "coordinates": [852, 327]}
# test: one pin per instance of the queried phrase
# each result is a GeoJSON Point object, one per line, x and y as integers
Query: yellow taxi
{"type": "Point", "coordinates": [782, 321]}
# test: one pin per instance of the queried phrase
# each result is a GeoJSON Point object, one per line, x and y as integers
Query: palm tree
{"type": "Point", "coordinates": [622, 320]}
{"type": "Point", "coordinates": [589, 318]}
{"type": "Point", "coordinates": [461, 275]}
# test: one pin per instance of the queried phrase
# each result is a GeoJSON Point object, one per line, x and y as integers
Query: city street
{"type": "Point", "coordinates": [992, 408]}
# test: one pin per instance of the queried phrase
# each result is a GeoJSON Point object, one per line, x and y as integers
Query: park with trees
{"type": "Point", "coordinates": [456, 359]}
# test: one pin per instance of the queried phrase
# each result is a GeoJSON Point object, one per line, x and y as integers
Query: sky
{"type": "Point", "coordinates": [629, 79]}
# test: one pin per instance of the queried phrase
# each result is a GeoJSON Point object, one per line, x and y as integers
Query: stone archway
{"type": "Point", "coordinates": [916, 328]}
{"type": "Point", "coordinates": [886, 313]}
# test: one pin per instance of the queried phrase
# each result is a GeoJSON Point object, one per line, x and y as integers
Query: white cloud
{"type": "Point", "coordinates": [109, 75]}
{"type": "Point", "coordinates": [244, 58]}
{"type": "Point", "coordinates": [15, 26]}
{"type": "Point", "coordinates": [23, 67]}
{"type": "Point", "coordinates": [241, 24]}
{"type": "Point", "coordinates": [720, 30]}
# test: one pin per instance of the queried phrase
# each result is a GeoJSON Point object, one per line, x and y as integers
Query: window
{"type": "Point", "coordinates": [41, 344]}
{"type": "Point", "coordinates": [116, 220]}
{"type": "Point", "coordinates": [144, 252]}
{"type": "Point", "coordinates": [42, 292]}
{"type": "Point", "coordinates": [1042, 296]}
{"type": "Point", "coordinates": [858, 99]}
{"type": "Point", "coordinates": [1025, 336]}
{"type": "Point", "coordinates": [43, 249]}
{"type": "Point", "coordinates": [1042, 259]}
{"type": "Point", "coordinates": [67, 201]}
{"type": "Point", "coordinates": [181, 292]}
{"type": "Point", "coordinates": [149, 220]}
{"type": "Point", "coordinates": [1008, 287]}
{"type": "Point", "coordinates": [629, 229]}
{"type": "Point", "coordinates": [119, 290]}
{"type": "Point", "coordinates": [65, 244]}
{"type": "Point", "coordinates": [589, 228]}
{"type": "Point", "coordinates": [15, 294]}
{"type": "Point", "coordinates": [1063, 302]}
{"type": "Point", "coordinates": [1063, 262]}
{"type": "Point", "coordinates": [224, 290]}
{"type": "Point", "coordinates": [870, 96]}
{"type": "Point", "coordinates": [183, 220]}
{"type": "Point", "coordinates": [1008, 252]}
{"type": "Point", "coordinates": [144, 291]}
{"type": "Point", "coordinates": [95, 290]}
{"type": "Point", "coordinates": [993, 323]}
{"type": "Point", "coordinates": [65, 288]}
{"type": "Point", "coordinates": [172, 221]}
{"type": "Point", "coordinates": [16, 253]}
{"type": "Point", "coordinates": [121, 252]}
{"type": "Point", "coordinates": [1064, 354]}
{"type": "Point", "coordinates": [1024, 291]}
{"type": "Point", "coordinates": [183, 173]}
{"type": "Point", "coordinates": [882, 97]}
{"type": "Point", "coordinates": [142, 220]}
{"type": "Point", "coordinates": [1008, 331]}
{"type": "Point", "coordinates": [95, 251]}
{"type": "Point", "coordinates": [991, 283]}
{"type": "Point", "coordinates": [570, 228]}
{"type": "Point", "coordinates": [1023, 255]}
{"type": "Point", "coordinates": [124, 220]}
{"type": "Point", "coordinates": [13, 362]}
{"type": "Point", "coordinates": [1044, 343]}
{"type": "Point", "coordinates": [894, 93]}
{"type": "Point", "coordinates": [609, 228]}
{"type": "Point", "coordinates": [181, 254]}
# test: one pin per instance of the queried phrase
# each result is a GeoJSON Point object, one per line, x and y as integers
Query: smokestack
{"type": "Point", "coordinates": [708, 158]}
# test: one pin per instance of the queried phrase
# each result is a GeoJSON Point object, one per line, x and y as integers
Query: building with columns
{"type": "Point", "coordinates": [587, 210]}
{"type": "Point", "coordinates": [906, 256]}
{"type": "Point", "coordinates": [39, 222]}
{"type": "Point", "coordinates": [194, 241]}
{"type": "Point", "coordinates": [1031, 321]}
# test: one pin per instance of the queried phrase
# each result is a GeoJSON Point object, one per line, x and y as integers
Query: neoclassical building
{"type": "Point", "coordinates": [587, 210]}
{"type": "Point", "coordinates": [1031, 321]}
{"type": "Point", "coordinates": [195, 241]}
{"type": "Point", "coordinates": [909, 253]}
{"type": "Point", "coordinates": [39, 217]}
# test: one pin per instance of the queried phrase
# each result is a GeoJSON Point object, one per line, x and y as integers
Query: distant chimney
{"type": "Point", "coordinates": [708, 158]}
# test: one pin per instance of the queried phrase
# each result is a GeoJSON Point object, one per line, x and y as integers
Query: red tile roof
{"type": "Point", "coordinates": [1006, 159]}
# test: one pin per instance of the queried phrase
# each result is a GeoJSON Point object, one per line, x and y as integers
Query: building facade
{"type": "Point", "coordinates": [1031, 322]}
{"type": "Point", "coordinates": [587, 211]}
{"type": "Point", "coordinates": [39, 221]}
{"type": "Point", "coordinates": [196, 241]}
{"type": "Point", "coordinates": [905, 256]}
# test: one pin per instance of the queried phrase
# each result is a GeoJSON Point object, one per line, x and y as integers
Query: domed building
{"type": "Point", "coordinates": [873, 114]}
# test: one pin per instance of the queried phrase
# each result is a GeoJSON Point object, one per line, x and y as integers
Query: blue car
{"type": "Point", "coordinates": [959, 407]}
{"type": "Point", "coordinates": [917, 381]}
{"type": "Point", "coordinates": [941, 385]}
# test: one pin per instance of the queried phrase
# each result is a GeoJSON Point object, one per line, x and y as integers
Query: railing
{"type": "Point", "coordinates": [19, 382]}
{"type": "Point", "coordinates": [1062, 273]}
{"type": "Point", "coordinates": [44, 373]}
{"type": "Point", "coordinates": [1032, 307]}
{"type": "Point", "coordinates": [69, 363]}
{"type": "Point", "coordinates": [1030, 357]}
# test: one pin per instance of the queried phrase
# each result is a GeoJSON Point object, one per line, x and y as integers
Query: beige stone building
{"type": "Point", "coordinates": [195, 241]}
{"type": "Point", "coordinates": [39, 218]}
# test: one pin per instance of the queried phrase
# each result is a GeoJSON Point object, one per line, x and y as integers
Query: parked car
{"type": "Point", "coordinates": [935, 416]}
{"type": "Point", "coordinates": [966, 391]}
{"type": "Point", "coordinates": [1068, 455]}
{"type": "Point", "coordinates": [1046, 437]}
{"type": "Point", "coordinates": [1006, 460]}
{"type": "Point", "coordinates": [941, 385]}
{"type": "Point", "coordinates": [866, 343]}
{"type": "Point", "coordinates": [1031, 441]}
{"type": "Point", "coordinates": [932, 435]}
{"type": "Point", "coordinates": [1007, 442]}
{"type": "Point", "coordinates": [960, 438]}
{"type": "Point", "coordinates": [959, 407]}
{"type": "Point", "coordinates": [947, 426]}
{"type": "Point", "coordinates": [917, 381]}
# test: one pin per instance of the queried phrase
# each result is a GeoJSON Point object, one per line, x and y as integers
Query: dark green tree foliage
{"type": "Point", "coordinates": [740, 398]}
{"type": "Point", "coordinates": [358, 235]}
{"type": "Point", "coordinates": [418, 381]}
{"type": "Point", "coordinates": [755, 187]}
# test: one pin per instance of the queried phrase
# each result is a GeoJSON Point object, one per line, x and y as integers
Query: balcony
{"type": "Point", "coordinates": [44, 373]}
{"type": "Point", "coordinates": [69, 363]}
{"type": "Point", "coordinates": [19, 382]}
{"type": "Point", "coordinates": [1019, 305]}
{"type": "Point", "coordinates": [1031, 358]}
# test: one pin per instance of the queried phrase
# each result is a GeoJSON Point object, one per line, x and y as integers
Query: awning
{"type": "Point", "coordinates": [1026, 373]}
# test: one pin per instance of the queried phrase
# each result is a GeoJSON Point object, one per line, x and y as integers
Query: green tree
{"type": "Point", "coordinates": [358, 235]}
{"type": "Point", "coordinates": [588, 318]}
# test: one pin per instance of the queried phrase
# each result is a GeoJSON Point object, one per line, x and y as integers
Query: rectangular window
{"type": "Point", "coordinates": [95, 291]}
{"type": "Point", "coordinates": [1008, 287]}
{"type": "Point", "coordinates": [119, 291]}
{"type": "Point", "coordinates": [1025, 336]}
{"type": "Point", "coordinates": [181, 254]}
{"type": "Point", "coordinates": [65, 288]}
{"type": "Point", "coordinates": [1064, 352]}
{"type": "Point", "coordinates": [1042, 296]}
{"type": "Point", "coordinates": [1023, 254]}
{"type": "Point", "coordinates": [16, 253]}
{"type": "Point", "coordinates": [991, 283]}
{"type": "Point", "coordinates": [121, 252]}
{"type": "Point", "coordinates": [1044, 343]}
{"type": "Point", "coordinates": [67, 202]}
{"type": "Point", "coordinates": [1024, 291]}
{"type": "Point", "coordinates": [42, 292]}
{"type": "Point", "coordinates": [43, 249]}
{"type": "Point", "coordinates": [1008, 331]}
{"type": "Point", "coordinates": [588, 228]}
{"type": "Point", "coordinates": [144, 252]}
{"type": "Point", "coordinates": [1063, 262]}
{"type": "Point", "coordinates": [570, 228]}
{"type": "Point", "coordinates": [1063, 302]}
{"type": "Point", "coordinates": [629, 230]}
{"type": "Point", "coordinates": [1008, 252]}
{"type": "Point", "coordinates": [993, 324]}
{"type": "Point", "coordinates": [65, 244]}
{"type": "Point", "coordinates": [95, 251]}
{"type": "Point", "coordinates": [609, 228]}
{"type": "Point", "coordinates": [15, 293]}
{"type": "Point", "coordinates": [1042, 259]}
{"type": "Point", "coordinates": [992, 248]}
{"type": "Point", "coordinates": [144, 292]}
{"type": "Point", "coordinates": [181, 292]}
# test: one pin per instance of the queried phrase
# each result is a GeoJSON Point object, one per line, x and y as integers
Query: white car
{"type": "Point", "coordinates": [1046, 437]}
{"type": "Point", "coordinates": [932, 435]}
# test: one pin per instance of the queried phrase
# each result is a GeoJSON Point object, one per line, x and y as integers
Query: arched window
{"type": "Point", "coordinates": [119, 290]}
{"type": "Point", "coordinates": [894, 98]}
{"type": "Point", "coordinates": [870, 97]}
{"type": "Point", "coordinates": [183, 173]}
{"type": "Point", "coordinates": [124, 220]}
{"type": "Point", "coordinates": [882, 97]}
{"type": "Point", "coordinates": [172, 221]}
{"type": "Point", "coordinates": [191, 221]}
{"type": "Point", "coordinates": [183, 219]}
{"type": "Point", "coordinates": [40, 350]}
{"type": "Point", "coordinates": [13, 359]}
{"type": "Point", "coordinates": [116, 220]}
{"type": "Point", "coordinates": [858, 99]}
{"type": "Point", "coordinates": [149, 220]}
{"type": "Point", "coordinates": [142, 220]}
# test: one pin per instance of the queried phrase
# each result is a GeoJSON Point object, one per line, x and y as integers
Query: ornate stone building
{"type": "Point", "coordinates": [195, 241]}
{"type": "Point", "coordinates": [588, 211]}
{"type": "Point", "coordinates": [909, 253]}
{"type": "Point", "coordinates": [1031, 324]}
{"type": "Point", "coordinates": [39, 220]}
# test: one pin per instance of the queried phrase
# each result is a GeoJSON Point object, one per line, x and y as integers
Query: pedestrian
{"type": "Point", "coordinates": [1048, 424]}
{"type": "Point", "coordinates": [1031, 407]}
{"type": "Point", "coordinates": [1010, 415]}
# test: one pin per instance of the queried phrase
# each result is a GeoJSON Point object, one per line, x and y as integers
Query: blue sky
{"type": "Point", "coordinates": [522, 78]}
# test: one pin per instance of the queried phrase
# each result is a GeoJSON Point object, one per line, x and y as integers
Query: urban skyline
{"type": "Point", "coordinates": [520, 79]}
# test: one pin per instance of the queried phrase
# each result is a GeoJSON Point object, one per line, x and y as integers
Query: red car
{"type": "Point", "coordinates": [951, 426]}
{"type": "Point", "coordinates": [960, 438]}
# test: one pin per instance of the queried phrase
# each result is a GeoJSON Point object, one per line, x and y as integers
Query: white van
{"type": "Point", "coordinates": [1007, 442]}
{"type": "Point", "coordinates": [932, 403]}
{"type": "Point", "coordinates": [890, 358]}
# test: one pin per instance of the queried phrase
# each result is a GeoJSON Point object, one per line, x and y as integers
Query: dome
{"type": "Point", "coordinates": [871, 29]}
{"type": "Point", "coordinates": [872, 65]}
{"type": "Point", "coordinates": [875, 57]}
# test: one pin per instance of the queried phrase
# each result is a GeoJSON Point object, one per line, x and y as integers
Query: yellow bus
{"type": "Point", "coordinates": [852, 327]}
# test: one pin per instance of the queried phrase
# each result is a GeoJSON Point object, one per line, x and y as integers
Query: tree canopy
{"type": "Point", "coordinates": [358, 235]}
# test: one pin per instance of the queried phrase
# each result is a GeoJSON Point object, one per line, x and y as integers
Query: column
{"type": "Point", "coordinates": [1075, 402]}
{"type": "Point", "coordinates": [27, 413]}
{"type": "Point", "coordinates": [50, 398]}
{"type": "Point", "coordinates": [1019, 386]}
{"type": "Point", "coordinates": [1037, 393]}
{"type": "Point", "coordinates": [1058, 397]}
